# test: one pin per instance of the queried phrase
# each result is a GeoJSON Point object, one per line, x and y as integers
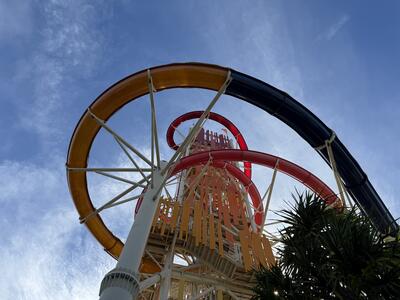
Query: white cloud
{"type": "Point", "coordinates": [68, 45]}
{"type": "Point", "coordinates": [52, 260]}
{"type": "Point", "coordinates": [255, 41]}
{"type": "Point", "coordinates": [45, 250]}
{"type": "Point", "coordinates": [46, 253]}
{"type": "Point", "coordinates": [334, 28]}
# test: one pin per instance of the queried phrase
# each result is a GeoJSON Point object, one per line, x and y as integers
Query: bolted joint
{"type": "Point", "coordinates": [122, 278]}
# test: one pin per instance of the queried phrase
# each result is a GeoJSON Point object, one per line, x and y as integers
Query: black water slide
{"type": "Point", "coordinates": [315, 132]}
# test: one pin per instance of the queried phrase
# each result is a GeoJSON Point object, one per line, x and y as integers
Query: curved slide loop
{"type": "Point", "coordinates": [247, 88]}
{"type": "Point", "coordinates": [217, 118]}
{"type": "Point", "coordinates": [221, 159]}
{"type": "Point", "coordinates": [315, 132]}
{"type": "Point", "coordinates": [253, 192]}
{"type": "Point", "coordinates": [267, 160]}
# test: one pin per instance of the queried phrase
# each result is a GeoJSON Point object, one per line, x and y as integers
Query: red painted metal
{"type": "Point", "coordinates": [217, 118]}
{"type": "Point", "coordinates": [264, 159]}
{"type": "Point", "coordinates": [224, 158]}
{"type": "Point", "coordinates": [239, 175]}
{"type": "Point", "coordinates": [234, 171]}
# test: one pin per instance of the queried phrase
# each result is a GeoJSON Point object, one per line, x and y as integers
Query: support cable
{"type": "Point", "coordinates": [203, 293]}
{"type": "Point", "coordinates": [154, 131]}
{"type": "Point", "coordinates": [71, 169]}
{"type": "Point", "coordinates": [124, 201]}
{"type": "Point", "coordinates": [120, 178]}
{"type": "Point", "coordinates": [339, 182]}
{"type": "Point", "coordinates": [107, 204]}
{"type": "Point", "coordinates": [153, 258]}
{"type": "Point", "coordinates": [113, 133]}
{"type": "Point", "coordinates": [131, 159]}
{"type": "Point", "coordinates": [270, 190]}
{"type": "Point", "coordinates": [179, 132]}
{"type": "Point", "coordinates": [199, 123]}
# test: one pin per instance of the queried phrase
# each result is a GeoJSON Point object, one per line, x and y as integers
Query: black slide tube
{"type": "Point", "coordinates": [315, 132]}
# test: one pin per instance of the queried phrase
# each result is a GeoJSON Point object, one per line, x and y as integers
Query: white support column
{"type": "Point", "coordinates": [203, 293]}
{"type": "Point", "coordinates": [269, 193]}
{"type": "Point", "coordinates": [122, 283]}
{"type": "Point", "coordinates": [150, 281]}
{"type": "Point", "coordinates": [169, 260]}
{"type": "Point", "coordinates": [166, 279]}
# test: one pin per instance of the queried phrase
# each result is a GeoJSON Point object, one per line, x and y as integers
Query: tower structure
{"type": "Point", "coordinates": [210, 230]}
{"type": "Point", "coordinates": [199, 224]}
{"type": "Point", "coordinates": [205, 235]}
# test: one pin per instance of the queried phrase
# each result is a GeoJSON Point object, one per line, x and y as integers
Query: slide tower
{"type": "Point", "coordinates": [199, 227]}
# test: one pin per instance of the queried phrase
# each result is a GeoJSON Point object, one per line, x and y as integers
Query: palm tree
{"type": "Point", "coordinates": [330, 255]}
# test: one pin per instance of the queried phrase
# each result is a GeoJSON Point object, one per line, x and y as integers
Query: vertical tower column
{"type": "Point", "coordinates": [122, 283]}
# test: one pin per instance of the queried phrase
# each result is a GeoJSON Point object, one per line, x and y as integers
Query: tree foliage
{"type": "Point", "coordinates": [329, 255]}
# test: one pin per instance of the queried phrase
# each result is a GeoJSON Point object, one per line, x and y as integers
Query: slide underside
{"type": "Point", "coordinates": [315, 132]}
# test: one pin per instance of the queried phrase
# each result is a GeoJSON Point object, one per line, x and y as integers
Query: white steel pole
{"type": "Point", "coordinates": [122, 283]}
{"type": "Point", "coordinates": [166, 280]}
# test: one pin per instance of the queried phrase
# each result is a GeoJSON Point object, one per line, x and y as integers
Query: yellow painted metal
{"type": "Point", "coordinates": [164, 212]}
{"type": "Point", "coordinates": [196, 230]}
{"type": "Point", "coordinates": [212, 232]}
{"type": "Point", "coordinates": [175, 213]}
{"type": "Point", "coordinates": [243, 213]}
{"type": "Point", "coordinates": [220, 295]}
{"type": "Point", "coordinates": [156, 215]}
{"type": "Point", "coordinates": [268, 251]}
{"type": "Point", "coordinates": [204, 234]}
{"type": "Point", "coordinates": [233, 205]}
{"type": "Point", "coordinates": [181, 288]}
{"type": "Point", "coordinates": [184, 228]}
{"type": "Point", "coordinates": [220, 241]}
{"type": "Point", "coordinates": [127, 90]}
{"type": "Point", "coordinates": [227, 223]}
{"type": "Point", "coordinates": [244, 244]}
{"type": "Point", "coordinates": [258, 249]}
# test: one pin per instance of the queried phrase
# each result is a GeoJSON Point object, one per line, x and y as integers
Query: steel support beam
{"type": "Point", "coordinates": [122, 283]}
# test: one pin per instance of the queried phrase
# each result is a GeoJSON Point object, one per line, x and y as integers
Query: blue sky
{"type": "Point", "coordinates": [340, 59]}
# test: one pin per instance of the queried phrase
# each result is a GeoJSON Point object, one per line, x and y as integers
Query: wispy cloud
{"type": "Point", "coordinates": [41, 235]}
{"type": "Point", "coordinates": [50, 260]}
{"type": "Point", "coordinates": [334, 28]}
{"type": "Point", "coordinates": [69, 44]}
{"type": "Point", "coordinates": [44, 249]}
